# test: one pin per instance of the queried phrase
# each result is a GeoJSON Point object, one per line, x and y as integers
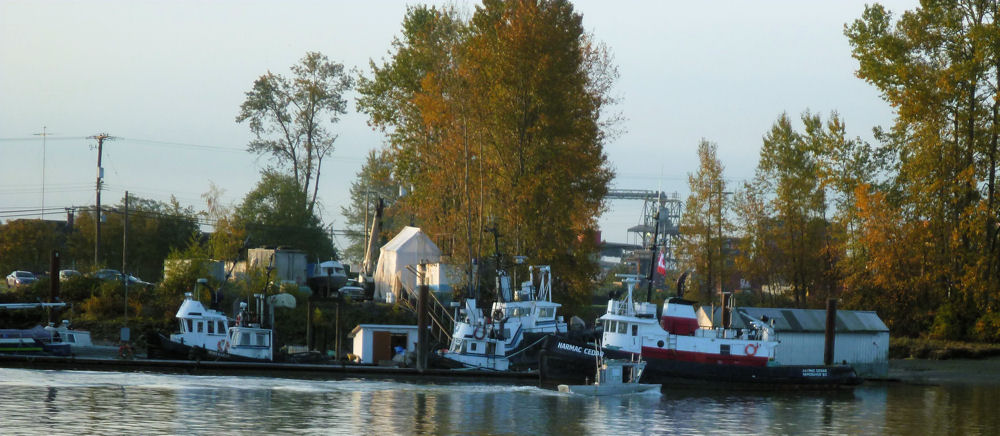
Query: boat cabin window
{"type": "Point", "coordinates": [491, 348]}
{"type": "Point", "coordinates": [201, 327]}
{"type": "Point", "coordinates": [222, 327]}
{"type": "Point", "coordinates": [635, 329]}
{"type": "Point", "coordinates": [245, 338]}
{"type": "Point", "coordinates": [190, 326]}
{"type": "Point", "coordinates": [262, 339]}
{"type": "Point", "coordinates": [547, 312]}
{"type": "Point", "coordinates": [211, 327]}
{"type": "Point", "coordinates": [623, 327]}
{"type": "Point", "coordinates": [610, 327]}
{"type": "Point", "coordinates": [472, 347]}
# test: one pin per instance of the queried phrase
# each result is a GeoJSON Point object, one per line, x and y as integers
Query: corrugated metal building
{"type": "Point", "coordinates": [862, 339]}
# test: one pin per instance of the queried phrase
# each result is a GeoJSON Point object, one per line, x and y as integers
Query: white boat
{"type": "Point", "coordinates": [515, 323]}
{"type": "Point", "coordinates": [206, 333]}
{"type": "Point", "coordinates": [614, 377]}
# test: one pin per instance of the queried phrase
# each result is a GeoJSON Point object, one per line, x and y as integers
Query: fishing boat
{"type": "Point", "coordinates": [614, 377]}
{"type": "Point", "coordinates": [510, 334]}
{"type": "Point", "coordinates": [208, 333]}
{"type": "Point", "coordinates": [679, 351]}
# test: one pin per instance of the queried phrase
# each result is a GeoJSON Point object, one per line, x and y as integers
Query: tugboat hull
{"type": "Point", "coordinates": [677, 372]}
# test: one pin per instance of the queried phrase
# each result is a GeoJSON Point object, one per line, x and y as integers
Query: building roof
{"type": "Point", "coordinates": [379, 328]}
{"type": "Point", "coordinates": [810, 320]}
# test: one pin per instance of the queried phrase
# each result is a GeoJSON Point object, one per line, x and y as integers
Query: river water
{"type": "Point", "coordinates": [83, 402]}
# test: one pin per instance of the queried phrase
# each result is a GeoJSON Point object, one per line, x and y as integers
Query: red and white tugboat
{"type": "Point", "coordinates": [677, 350]}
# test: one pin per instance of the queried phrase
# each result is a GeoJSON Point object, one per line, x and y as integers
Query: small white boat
{"type": "Point", "coordinates": [614, 377]}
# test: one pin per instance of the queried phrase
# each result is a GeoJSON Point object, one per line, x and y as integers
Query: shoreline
{"type": "Point", "coordinates": [951, 371]}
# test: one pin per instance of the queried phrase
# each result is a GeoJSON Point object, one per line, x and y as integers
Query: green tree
{"type": "Point", "coordinates": [291, 117]}
{"type": "Point", "coordinates": [704, 224]}
{"type": "Point", "coordinates": [154, 228]}
{"type": "Point", "coordinates": [26, 244]}
{"type": "Point", "coordinates": [276, 213]}
{"type": "Point", "coordinates": [788, 174]}
{"type": "Point", "coordinates": [374, 181]}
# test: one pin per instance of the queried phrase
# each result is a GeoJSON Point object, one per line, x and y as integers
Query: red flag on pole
{"type": "Point", "coordinates": [661, 265]}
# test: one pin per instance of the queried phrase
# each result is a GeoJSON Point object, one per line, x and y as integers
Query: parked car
{"type": "Point", "coordinates": [108, 274]}
{"type": "Point", "coordinates": [20, 278]}
{"type": "Point", "coordinates": [353, 289]}
{"type": "Point", "coordinates": [66, 274]}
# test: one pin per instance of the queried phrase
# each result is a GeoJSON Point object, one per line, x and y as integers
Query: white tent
{"type": "Point", "coordinates": [409, 247]}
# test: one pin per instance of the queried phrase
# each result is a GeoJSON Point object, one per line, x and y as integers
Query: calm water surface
{"type": "Point", "coordinates": [81, 402]}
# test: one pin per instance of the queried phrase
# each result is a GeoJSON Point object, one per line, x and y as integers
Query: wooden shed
{"type": "Point", "coordinates": [374, 343]}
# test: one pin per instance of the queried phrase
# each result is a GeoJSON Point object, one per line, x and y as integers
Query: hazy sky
{"type": "Point", "coordinates": [167, 79]}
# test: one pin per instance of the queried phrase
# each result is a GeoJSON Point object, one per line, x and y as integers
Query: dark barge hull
{"type": "Point", "coordinates": [161, 347]}
{"type": "Point", "coordinates": [565, 360]}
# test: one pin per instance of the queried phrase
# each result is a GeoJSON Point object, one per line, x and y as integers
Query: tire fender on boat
{"type": "Point", "coordinates": [750, 350]}
{"type": "Point", "coordinates": [479, 333]}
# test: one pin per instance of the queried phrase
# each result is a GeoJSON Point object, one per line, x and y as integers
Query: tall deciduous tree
{"type": "Point", "coordinates": [704, 225]}
{"type": "Point", "coordinates": [939, 66]}
{"type": "Point", "coordinates": [501, 120]}
{"type": "Point", "coordinates": [291, 118]}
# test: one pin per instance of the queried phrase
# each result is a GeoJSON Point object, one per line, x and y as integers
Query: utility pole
{"type": "Point", "coordinates": [100, 137]}
{"type": "Point", "coordinates": [124, 256]}
{"type": "Point", "coordinates": [44, 134]}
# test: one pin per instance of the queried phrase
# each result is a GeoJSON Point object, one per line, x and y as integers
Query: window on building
{"type": "Point", "coordinates": [190, 326]}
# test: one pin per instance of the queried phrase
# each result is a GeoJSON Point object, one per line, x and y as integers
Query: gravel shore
{"type": "Point", "coordinates": [951, 371]}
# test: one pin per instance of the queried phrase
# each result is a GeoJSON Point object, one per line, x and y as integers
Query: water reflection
{"type": "Point", "coordinates": [64, 402]}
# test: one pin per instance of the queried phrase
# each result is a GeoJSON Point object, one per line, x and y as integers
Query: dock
{"type": "Point", "coordinates": [268, 369]}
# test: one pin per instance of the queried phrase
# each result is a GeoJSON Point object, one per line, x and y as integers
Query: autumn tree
{"type": "Point", "coordinates": [500, 121]}
{"type": "Point", "coordinates": [704, 225]}
{"type": "Point", "coordinates": [939, 67]}
{"type": "Point", "coordinates": [291, 118]}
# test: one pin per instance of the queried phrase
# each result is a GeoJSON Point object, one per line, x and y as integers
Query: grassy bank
{"type": "Point", "coordinates": [917, 348]}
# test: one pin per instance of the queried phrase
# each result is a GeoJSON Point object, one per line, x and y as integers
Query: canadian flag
{"type": "Point", "coordinates": [661, 265]}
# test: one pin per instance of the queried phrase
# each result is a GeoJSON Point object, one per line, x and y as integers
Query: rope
{"type": "Point", "coordinates": [526, 348]}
